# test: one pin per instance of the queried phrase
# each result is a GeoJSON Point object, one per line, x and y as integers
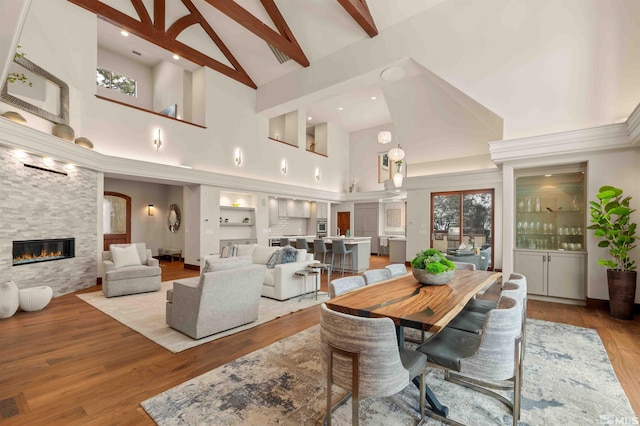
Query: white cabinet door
{"type": "Point", "coordinates": [533, 266]}
{"type": "Point", "coordinates": [282, 208]}
{"type": "Point", "coordinates": [306, 209]}
{"type": "Point", "coordinates": [273, 211]}
{"type": "Point", "coordinates": [565, 272]}
{"type": "Point", "coordinates": [294, 208]}
{"type": "Point", "coordinates": [321, 210]}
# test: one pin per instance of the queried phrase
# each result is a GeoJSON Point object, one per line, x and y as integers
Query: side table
{"type": "Point", "coordinates": [304, 273]}
{"type": "Point", "coordinates": [323, 267]}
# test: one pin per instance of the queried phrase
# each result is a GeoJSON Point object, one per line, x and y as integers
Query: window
{"type": "Point", "coordinates": [114, 81]}
{"type": "Point", "coordinates": [471, 209]}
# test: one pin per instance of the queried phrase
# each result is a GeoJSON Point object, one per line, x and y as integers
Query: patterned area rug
{"type": "Point", "coordinates": [145, 313]}
{"type": "Point", "coordinates": [568, 381]}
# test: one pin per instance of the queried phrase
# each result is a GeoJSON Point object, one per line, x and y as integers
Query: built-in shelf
{"type": "Point", "coordinates": [237, 208]}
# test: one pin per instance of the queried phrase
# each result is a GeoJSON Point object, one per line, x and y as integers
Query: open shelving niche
{"type": "Point", "coordinates": [233, 227]}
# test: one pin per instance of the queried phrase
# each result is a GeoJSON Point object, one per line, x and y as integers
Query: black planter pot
{"type": "Point", "coordinates": [622, 293]}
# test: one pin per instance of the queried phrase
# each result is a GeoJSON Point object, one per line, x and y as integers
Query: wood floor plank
{"type": "Point", "coordinates": [71, 364]}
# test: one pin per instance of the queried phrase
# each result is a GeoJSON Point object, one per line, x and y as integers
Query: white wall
{"type": "Point", "coordinates": [168, 87]}
{"type": "Point", "coordinates": [151, 230]}
{"type": "Point", "coordinates": [383, 228]}
{"type": "Point", "coordinates": [191, 222]}
{"type": "Point", "coordinates": [141, 73]}
{"type": "Point", "coordinates": [363, 164]}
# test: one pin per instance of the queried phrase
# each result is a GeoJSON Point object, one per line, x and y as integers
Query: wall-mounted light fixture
{"type": "Point", "coordinates": [317, 174]}
{"type": "Point", "coordinates": [157, 141]}
{"type": "Point", "coordinates": [283, 167]}
{"type": "Point", "coordinates": [237, 158]}
{"type": "Point", "coordinates": [150, 209]}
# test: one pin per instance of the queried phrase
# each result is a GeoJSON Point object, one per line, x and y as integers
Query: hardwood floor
{"type": "Point", "coordinates": [72, 364]}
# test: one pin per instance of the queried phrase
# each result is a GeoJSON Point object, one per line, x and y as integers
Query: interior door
{"type": "Point", "coordinates": [116, 219]}
{"type": "Point", "coordinates": [344, 222]}
{"type": "Point", "coordinates": [365, 222]}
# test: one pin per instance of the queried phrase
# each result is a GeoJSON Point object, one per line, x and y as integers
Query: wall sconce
{"type": "Point", "coordinates": [317, 174]}
{"type": "Point", "coordinates": [283, 167]}
{"type": "Point", "coordinates": [157, 141]}
{"type": "Point", "coordinates": [150, 209]}
{"type": "Point", "coordinates": [237, 158]}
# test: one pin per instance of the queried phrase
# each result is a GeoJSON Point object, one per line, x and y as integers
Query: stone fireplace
{"type": "Point", "coordinates": [45, 202]}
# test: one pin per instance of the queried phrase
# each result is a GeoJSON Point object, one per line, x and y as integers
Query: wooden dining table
{"type": "Point", "coordinates": [412, 304]}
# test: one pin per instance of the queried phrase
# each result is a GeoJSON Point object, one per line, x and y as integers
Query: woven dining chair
{"type": "Point", "coordinates": [397, 269]}
{"type": "Point", "coordinates": [344, 285]}
{"type": "Point", "coordinates": [373, 276]}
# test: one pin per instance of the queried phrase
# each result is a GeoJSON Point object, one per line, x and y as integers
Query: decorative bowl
{"type": "Point", "coordinates": [425, 277]}
{"type": "Point", "coordinates": [235, 204]}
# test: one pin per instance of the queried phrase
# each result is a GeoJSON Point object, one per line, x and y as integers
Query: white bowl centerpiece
{"type": "Point", "coordinates": [432, 267]}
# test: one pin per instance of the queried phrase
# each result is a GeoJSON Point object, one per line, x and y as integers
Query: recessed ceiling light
{"type": "Point", "coordinates": [373, 98]}
{"type": "Point", "coordinates": [547, 175]}
{"type": "Point", "coordinates": [309, 118]}
{"type": "Point", "coordinates": [340, 108]}
{"type": "Point", "coordinates": [124, 33]}
{"type": "Point", "coordinates": [176, 57]}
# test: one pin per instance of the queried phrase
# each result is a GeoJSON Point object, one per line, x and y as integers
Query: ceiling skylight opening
{"type": "Point", "coordinates": [124, 33]}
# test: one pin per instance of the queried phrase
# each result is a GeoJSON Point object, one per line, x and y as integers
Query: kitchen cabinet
{"type": "Point", "coordinates": [273, 211]}
{"type": "Point", "coordinates": [322, 210]}
{"type": "Point", "coordinates": [552, 273]}
{"type": "Point", "coordinates": [293, 208]}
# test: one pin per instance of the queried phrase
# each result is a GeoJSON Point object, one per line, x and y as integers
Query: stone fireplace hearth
{"type": "Point", "coordinates": [47, 202]}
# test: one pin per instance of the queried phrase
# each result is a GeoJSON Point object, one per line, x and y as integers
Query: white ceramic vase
{"type": "Point", "coordinates": [9, 299]}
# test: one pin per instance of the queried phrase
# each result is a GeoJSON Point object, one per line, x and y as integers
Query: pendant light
{"type": "Point", "coordinates": [396, 154]}
{"type": "Point", "coordinates": [384, 136]}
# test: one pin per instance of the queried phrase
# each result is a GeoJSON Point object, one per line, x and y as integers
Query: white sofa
{"type": "Point", "coordinates": [280, 283]}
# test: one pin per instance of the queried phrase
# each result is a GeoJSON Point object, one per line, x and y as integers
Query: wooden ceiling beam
{"type": "Point", "coordinates": [285, 42]}
{"type": "Point", "coordinates": [359, 11]}
{"type": "Point", "coordinates": [154, 33]}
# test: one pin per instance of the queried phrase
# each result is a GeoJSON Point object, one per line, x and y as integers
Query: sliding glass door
{"type": "Point", "coordinates": [462, 217]}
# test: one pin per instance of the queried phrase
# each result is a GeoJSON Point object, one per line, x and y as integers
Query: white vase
{"type": "Point", "coordinates": [9, 299]}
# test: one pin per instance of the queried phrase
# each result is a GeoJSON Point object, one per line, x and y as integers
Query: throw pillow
{"type": "Point", "coordinates": [125, 256]}
{"type": "Point", "coordinates": [273, 260]}
{"type": "Point", "coordinates": [225, 252]}
{"type": "Point", "coordinates": [289, 254]}
{"type": "Point", "coordinates": [234, 250]}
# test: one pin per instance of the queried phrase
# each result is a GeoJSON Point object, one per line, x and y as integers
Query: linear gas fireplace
{"type": "Point", "coordinates": [33, 251]}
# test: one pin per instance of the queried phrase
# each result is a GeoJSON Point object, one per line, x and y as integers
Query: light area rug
{"type": "Point", "coordinates": [145, 313]}
{"type": "Point", "coordinates": [568, 381]}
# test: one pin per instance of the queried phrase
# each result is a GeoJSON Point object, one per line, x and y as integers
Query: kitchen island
{"type": "Point", "coordinates": [361, 247]}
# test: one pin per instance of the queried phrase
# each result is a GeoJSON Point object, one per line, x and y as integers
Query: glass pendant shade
{"type": "Point", "coordinates": [396, 154]}
{"type": "Point", "coordinates": [384, 137]}
{"type": "Point", "coordinates": [397, 180]}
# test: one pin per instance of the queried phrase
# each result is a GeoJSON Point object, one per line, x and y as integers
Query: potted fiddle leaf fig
{"type": "Point", "coordinates": [611, 221]}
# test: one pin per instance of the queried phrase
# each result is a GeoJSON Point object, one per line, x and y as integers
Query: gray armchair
{"type": "Point", "coordinates": [218, 301]}
{"type": "Point", "coordinates": [127, 274]}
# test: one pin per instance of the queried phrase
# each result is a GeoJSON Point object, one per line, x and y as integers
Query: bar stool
{"type": "Point", "coordinates": [384, 245]}
{"type": "Point", "coordinates": [340, 249]}
{"type": "Point", "coordinates": [284, 242]}
{"type": "Point", "coordinates": [301, 243]}
{"type": "Point", "coordinates": [320, 249]}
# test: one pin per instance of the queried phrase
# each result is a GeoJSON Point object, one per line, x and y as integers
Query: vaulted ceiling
{"type": "Point", "coordinates": [191, 29]}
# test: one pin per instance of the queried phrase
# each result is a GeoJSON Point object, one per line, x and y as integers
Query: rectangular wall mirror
{"type": "Point", "coordinates": [46, 97]}
{"type": "Point", "coordinates": [384, 167]}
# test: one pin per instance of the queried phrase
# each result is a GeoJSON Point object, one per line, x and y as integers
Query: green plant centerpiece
{"type": "Point", "coordinates": [611, 221]}
{"type": "Point", "coordinates": [432, 267]}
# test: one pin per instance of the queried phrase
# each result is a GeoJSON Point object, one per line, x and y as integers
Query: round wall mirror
{"type": "Point", "coordinates": [174, 218]}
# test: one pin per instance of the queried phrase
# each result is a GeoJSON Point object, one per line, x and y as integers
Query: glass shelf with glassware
{"type": "Point", "coordinates": [550, 212]}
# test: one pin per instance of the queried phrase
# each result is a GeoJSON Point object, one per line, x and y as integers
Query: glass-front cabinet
{"type": "Point", "coordinates": [550, 212]}
{"type": "Point", "coordinates": [550, 217]}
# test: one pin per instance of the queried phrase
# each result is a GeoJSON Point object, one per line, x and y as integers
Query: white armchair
{"type": "Point", "coordinates": [129, 269]}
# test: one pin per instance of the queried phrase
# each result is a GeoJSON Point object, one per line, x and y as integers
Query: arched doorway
{"type": "Point", "coordinates": [116, 219]}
